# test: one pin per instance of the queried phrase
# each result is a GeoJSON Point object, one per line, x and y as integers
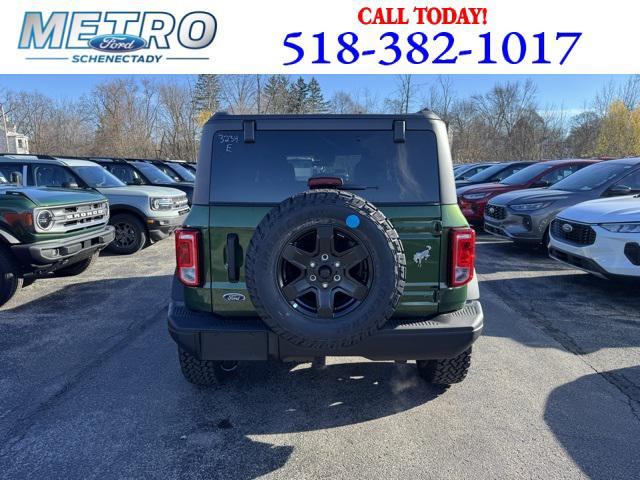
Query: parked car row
{"type": "Point", "coordinates": [58, 213]}
{"type": "Point", "coordinates": [587, 212]}
{"type": "Point", "coordinates": [473, 198]}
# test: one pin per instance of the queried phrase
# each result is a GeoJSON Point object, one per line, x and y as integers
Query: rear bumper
{"type": "Point", "coordinates": [212, 337]}
{"type": "Point", "coordinates": [63, 252]}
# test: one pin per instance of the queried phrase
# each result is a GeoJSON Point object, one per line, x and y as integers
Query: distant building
{"type": "Point", "coordinates": [17, 142]}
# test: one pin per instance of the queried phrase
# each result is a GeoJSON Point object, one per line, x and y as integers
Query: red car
{"type": "Point", "coordinates": [474, 198]}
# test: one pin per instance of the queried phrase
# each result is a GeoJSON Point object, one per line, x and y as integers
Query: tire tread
{"type": "Point", "coordinates": [324, 197]}
{"type": "Point", "coordinates": [445, 371]}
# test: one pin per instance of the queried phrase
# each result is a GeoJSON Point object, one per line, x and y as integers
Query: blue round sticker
{"type": "Point", "coordinates": [353, 221]}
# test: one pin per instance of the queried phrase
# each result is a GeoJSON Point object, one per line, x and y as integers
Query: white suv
{"type": "Point", "coordinates": [600, 236]}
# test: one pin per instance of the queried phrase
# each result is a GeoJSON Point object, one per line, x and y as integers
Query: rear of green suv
{"type": "Point", "coordinates": [314, 236]}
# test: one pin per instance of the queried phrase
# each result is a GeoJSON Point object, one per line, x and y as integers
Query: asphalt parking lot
{"type": "Point", "coordinates": [90, 388]}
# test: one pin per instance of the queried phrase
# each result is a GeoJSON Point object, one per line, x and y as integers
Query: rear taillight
{"type": "Point", "coordinates": [462, 256]}
{"type": "Point", "coordinates": [187, 256]}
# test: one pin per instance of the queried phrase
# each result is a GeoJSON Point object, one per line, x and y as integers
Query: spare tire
{"type": "Point", "coordinates": [325, 269]}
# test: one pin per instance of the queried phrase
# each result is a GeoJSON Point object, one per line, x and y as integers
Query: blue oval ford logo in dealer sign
{"type": "Point", "coordinates": [117, 43]}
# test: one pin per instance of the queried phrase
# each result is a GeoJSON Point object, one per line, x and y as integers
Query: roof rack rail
{"type": "Point", "coordinates": [27, 155]}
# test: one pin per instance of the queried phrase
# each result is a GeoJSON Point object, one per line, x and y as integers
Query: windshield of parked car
{"type": "Point", "coordinates": [526, 174]}
{"type": "Point", "coordinates": [469, 171]}
{"type": "Point", "coordinates": [593, 177]}
{"type": "Point", "coordinates": [488, 173]}
{"type": "Point", "coordinates": [153, 174]}
{"type": "Point", "coordinates": [2, 179]}
{"type": "Point", "coordinates": [97, 177]}
{"type": "Point", "coordinates": [183, 172]}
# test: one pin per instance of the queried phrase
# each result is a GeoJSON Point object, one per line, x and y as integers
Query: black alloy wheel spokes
{"type": "Point", "coordinates": [325, 272]}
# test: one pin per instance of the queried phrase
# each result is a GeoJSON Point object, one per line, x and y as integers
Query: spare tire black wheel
{"type": "Point", "coordinates": [325, 269]}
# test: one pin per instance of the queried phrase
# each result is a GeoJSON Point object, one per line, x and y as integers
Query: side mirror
{"type": "Point", "coordinates": [16, 177]}
{"type": "Point", "coordinates": [69, 185]}
{"type": "Point", "coordinates": [618, 191]}
{"type": "Point", "coordinates": [541, 184]}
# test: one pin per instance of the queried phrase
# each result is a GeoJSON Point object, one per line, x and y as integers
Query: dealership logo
{"type": "Point", "coordinates": [117, 43]}
{"type": "Point", "coordinates": [115, 37]}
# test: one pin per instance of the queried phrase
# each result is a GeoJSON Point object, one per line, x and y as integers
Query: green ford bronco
{"type": "Point", "coordinates": [48, 231]}
{"type": "Point", "coordinates": [325, 235]}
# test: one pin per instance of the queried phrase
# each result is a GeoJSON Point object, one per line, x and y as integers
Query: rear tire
{"type": "Point", "coordinates": [445, 371]}
{"type": "Point", "coordinates": [77, 268]}
{"type": "Point", "coordinates": [131, 234]}
{"type": "Point", "coordinates": [204, 372]}
{"type": "Point", "coordinates": [10, 280]}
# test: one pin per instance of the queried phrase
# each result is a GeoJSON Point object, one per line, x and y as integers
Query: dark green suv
{"type": "Point", "coordinates": [315, 236]}
{"type": "Point", "coordinates": [48, 231]}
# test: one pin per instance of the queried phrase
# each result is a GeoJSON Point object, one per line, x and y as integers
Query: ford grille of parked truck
{"type": "Point", "coordinates": [141, 214]}
{"type": "Point", "coordinates": [46, 232]}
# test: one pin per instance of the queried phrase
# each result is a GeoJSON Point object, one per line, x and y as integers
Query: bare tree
{"type": "Point", "coordinates": [441, 97]}
{"type": "Point", "coordinates": [629, 92]}
{"type": "Point", "coordinates": [404, 96]}
{"type": "Point", "coordinates": [583, 134]}
{"type": "Point", "coordinates": [239, 93]}
{"type": "Point", "coordinates": [605, 97]}
{"type": "Point", "coordinates": [178, 122]}
{"type": "Point", "coordinates": [343, 103]}
{"type": "Point", "coordinates": [125, 114]}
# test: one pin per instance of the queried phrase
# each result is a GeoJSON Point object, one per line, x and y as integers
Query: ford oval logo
{"type": "Point", "coordinates": [234, 297]}
{"type": "Point", "coordinates": [117, 43]}
{"type": "Point", "coordinates": [567, 228]}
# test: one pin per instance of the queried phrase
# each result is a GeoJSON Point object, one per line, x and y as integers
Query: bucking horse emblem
{"type": "Point", "coordinates": [422, 256]}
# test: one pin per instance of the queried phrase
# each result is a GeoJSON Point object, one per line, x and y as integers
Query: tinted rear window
{"type": "Point", "coordinates": [280, 163]}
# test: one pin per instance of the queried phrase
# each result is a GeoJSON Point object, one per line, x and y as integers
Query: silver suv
{"type": "Point", "coordinates": [525, 215]}
{"type": "Point", "coordinates": [140, 214]}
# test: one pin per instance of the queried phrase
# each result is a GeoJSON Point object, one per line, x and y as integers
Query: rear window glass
{"type": "Point", "coordinates": [280, 163]}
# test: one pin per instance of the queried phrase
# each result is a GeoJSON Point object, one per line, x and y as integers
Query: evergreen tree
{"type": "Point", "coordinates": [206, 96]}
{"type": "Point", "coordinates": [275, 95]}
{"type": "Point", "coordinates": [316, 102]}
{"type": "Point", "coordinates": [299, 93]}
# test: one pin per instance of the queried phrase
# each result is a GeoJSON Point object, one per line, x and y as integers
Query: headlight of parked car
{"type": "Point", "coordinates": [622, 227]}
{"type": "Point", "coordinates": [161, 203]}
{"type": "Point", "coordinates": [527, 207]}
{"type": "Point", "coordinates": [475, 196]}
{"type": "Point", "coordinates": [44, 220]}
